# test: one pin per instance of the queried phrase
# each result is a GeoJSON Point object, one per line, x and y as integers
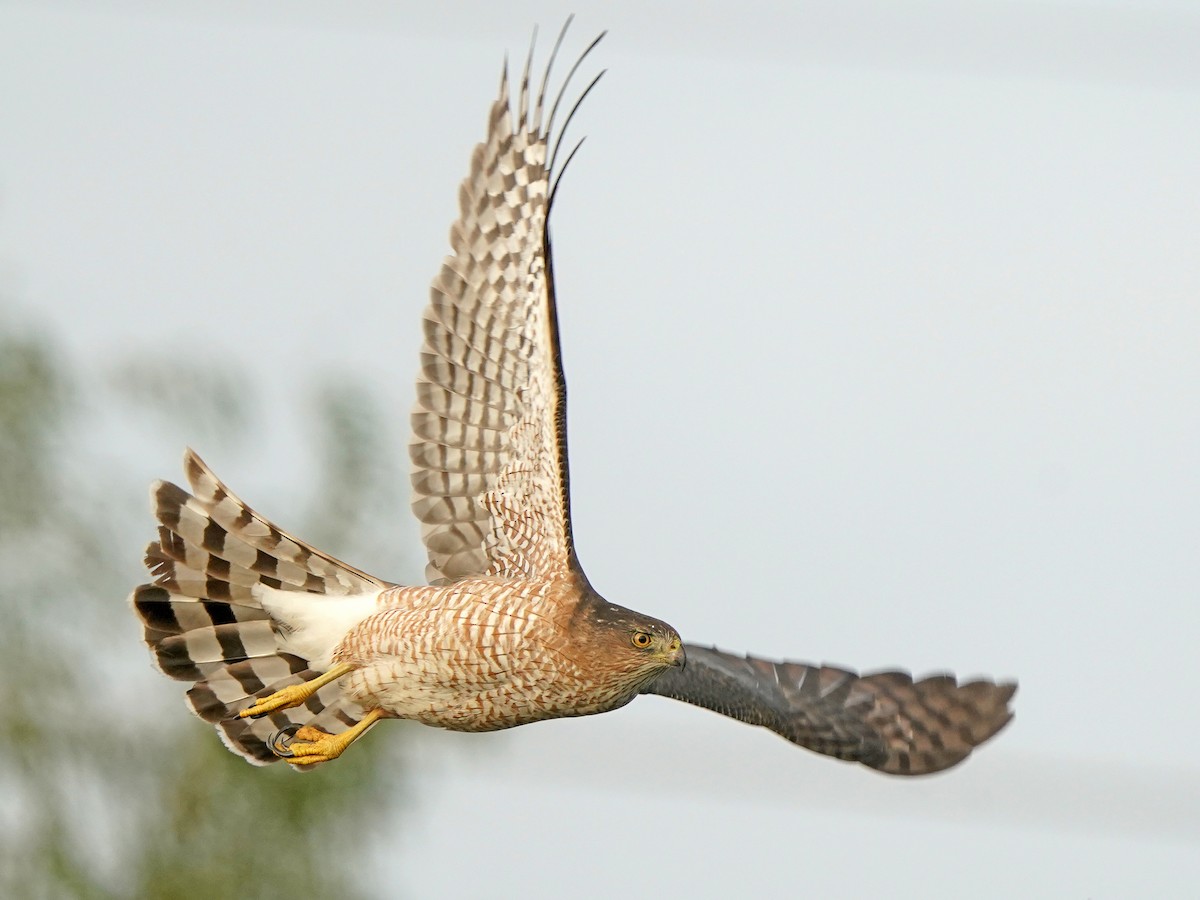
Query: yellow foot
{"type": "Point", "coordinates": [311, 745]}
{"type": "Point", "coordinates": [293, 694]}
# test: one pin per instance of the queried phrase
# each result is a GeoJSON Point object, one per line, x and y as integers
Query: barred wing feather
{"type": "Point", "coordinates": [489, 437]}
{"type": "Point", "coordinates": [885, 720]}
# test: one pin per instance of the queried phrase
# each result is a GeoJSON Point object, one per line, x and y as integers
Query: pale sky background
{"type": "Point", "coordinates": [882, 331]}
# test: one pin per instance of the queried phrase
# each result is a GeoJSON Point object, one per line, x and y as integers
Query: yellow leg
{"type": "Point", "coordinates": [312, 745]}
{"type": "Point", "coordinates": [294, 694]}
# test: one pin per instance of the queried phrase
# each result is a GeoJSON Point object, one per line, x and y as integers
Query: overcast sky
{"type": "Point", "coordinates": [881, 325]}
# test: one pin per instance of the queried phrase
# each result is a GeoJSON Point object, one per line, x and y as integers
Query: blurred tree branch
{"type": "Point", "coordinates": [110, 788]}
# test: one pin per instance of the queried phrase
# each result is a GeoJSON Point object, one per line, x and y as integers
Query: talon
{"type": "Point", "coordinates": [309, 760]}
{"type": "Point", "coordinates": [303, 744]}
{"type": "Point", "coordinates": [293, 694]}
{"type": "Point", "coordinates": [309, 743]}
{"type": "Point", "coordinates": [280, 742]}
{"type": "Point", "coordinates": [310, 734]}
{"type": "Point", "coordinates": [306, 745]}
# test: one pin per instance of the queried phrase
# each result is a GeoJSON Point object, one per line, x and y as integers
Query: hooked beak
{"type": "Point", "coordinates": [678, 654]}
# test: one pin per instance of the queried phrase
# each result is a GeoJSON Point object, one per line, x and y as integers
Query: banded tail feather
{"type": "Point", "coordinates": [213, 564]}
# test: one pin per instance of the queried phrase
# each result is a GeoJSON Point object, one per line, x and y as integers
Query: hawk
{"type": "Point", "coordinates": [293, 654]}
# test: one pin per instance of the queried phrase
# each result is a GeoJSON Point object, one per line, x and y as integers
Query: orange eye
{"type": "Point", "coordinates": [642, 640]}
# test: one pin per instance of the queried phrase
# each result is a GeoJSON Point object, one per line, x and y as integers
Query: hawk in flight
{"type": "Point", "coordinates": [293, 654]}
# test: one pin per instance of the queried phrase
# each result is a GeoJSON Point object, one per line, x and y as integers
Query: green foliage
{"type": "Point", "coordinates": [34, 400]}
{"type": "Point", "coordinates": [109, 787]}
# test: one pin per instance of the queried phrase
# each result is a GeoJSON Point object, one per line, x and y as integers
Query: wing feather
{"type": "Point", "coordinates": [489, 448]}
{"type": "Point", "coordinates": [884, 720]}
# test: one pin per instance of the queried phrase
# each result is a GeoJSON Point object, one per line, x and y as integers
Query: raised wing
{"type": "Point", "coordinates": [489, 447]}
{"type": "Point", "coordinates": [885, 720]}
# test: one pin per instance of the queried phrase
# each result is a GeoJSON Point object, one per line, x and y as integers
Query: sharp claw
{"type": "Point", "coordinates": [281, 740]}
{"type": "Point", "coordinates": [254, 712]}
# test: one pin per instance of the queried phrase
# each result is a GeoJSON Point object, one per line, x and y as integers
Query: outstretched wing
{"type": "Point", "coordinates": [489, 429]}
{"type": "Point", "coordinates": [886, 720]}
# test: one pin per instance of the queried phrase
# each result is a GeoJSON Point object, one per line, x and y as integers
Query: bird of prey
{"type": "Point", "coordinates": [293, 654]}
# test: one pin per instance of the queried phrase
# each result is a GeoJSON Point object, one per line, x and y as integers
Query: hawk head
{"type": "Point", "coordinates": [625, 649]}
